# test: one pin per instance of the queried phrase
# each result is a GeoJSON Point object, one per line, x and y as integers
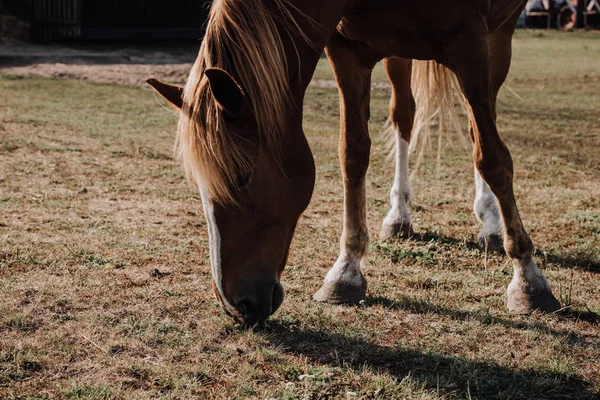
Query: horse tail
{"type": "Point", "coordinates": [439, 100]}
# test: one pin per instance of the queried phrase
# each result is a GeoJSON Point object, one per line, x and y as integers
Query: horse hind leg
{"type": "Point", "coordinates": [487, 212]}
{"type": "Point", "coordinates": [345, 282]}
{"type": "Point", "coordinates": [398, 221]}
{"type": "Point", "coordinates": [470, 59]}
{"type": "Point", "coordinates": [402, 113]}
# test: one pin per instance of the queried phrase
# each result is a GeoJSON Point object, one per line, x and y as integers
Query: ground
{"type": "Point", "coordinates": [105, 280]}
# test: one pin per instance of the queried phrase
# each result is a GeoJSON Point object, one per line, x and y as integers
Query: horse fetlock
{"type": "Point", "coordinates": [519, 247]}
{"type": "Point", "coordinates": [344, 284]}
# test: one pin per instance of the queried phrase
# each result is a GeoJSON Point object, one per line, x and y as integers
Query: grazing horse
{"type": "Point", "coordinates": [241, 141]}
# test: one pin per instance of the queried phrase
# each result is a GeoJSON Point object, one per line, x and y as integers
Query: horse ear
{"type": "Point", "coordinates": [225, 90]}
{"type": "Point", "coordinates": [173, 94]}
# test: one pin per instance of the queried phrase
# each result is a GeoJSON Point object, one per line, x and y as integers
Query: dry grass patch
{"type": "Point", "coordinates": [105, 283]}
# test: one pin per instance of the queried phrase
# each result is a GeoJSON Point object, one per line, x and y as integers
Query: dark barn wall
{"type": "Point", "coordinates": [18, 8]}
{"type": "Point", "coordinates": [144, 18]}
{"type": "Point", "coordinates": [55, 19]}
{"type": "Point", "coordinates": [118, 19]}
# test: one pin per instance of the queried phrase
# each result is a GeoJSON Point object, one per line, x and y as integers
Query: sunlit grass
{"type": "Point", "coordinates": [91, 205]}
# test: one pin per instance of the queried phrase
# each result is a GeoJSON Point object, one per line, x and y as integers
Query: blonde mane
{"type": "Point", "coordinates": [242, 37]}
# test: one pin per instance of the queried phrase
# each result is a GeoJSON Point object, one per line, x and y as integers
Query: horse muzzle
{"type": "Point", "coordinates": [252, 309]}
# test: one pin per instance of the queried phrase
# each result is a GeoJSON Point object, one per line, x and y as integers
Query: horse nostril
{"type": "Point", "coordinates": [245, 307]}
{"type": "Point", "coordinates": [252, 311]}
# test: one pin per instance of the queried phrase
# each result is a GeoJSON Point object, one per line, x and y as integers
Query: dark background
{"type": "Point", "coordinates": [139, 20]}
{"type": "Point", "coordinates": [59, 20]}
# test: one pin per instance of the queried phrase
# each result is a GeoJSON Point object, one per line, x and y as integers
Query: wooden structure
{"type": "Point", "coordinates": [53, 19]}
{"type": "Point", "coordinates": [592, 7]}
{"type": "Point", "coordinates": [117, 19]}
{"type": "Point", "coordinates": [544, 11]}
{"type": "Point", "coordinates": [564, 12]}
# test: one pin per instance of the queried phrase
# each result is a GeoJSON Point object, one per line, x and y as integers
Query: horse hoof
{"type": "Point", "coordinates": [342, 292]}
{"type": "Point", "coordinates": [523, 299]}
{"type": "Point", "coordinates": [396, 230]}
{"type": "Point", "coordinates": [493, 243]}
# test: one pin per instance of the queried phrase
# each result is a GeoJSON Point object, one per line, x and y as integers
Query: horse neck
{"type": "Point", "coordinates": [318, 22]}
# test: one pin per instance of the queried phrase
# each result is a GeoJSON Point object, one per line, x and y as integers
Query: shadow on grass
{"type": "Point", "coordinates": [450, 376]}
{"type": "Point", "coordinates": [579, 261]}
{"type": "Point", "coordinates": [588, 316]}
{"type": "Point", "coordinates": [418, 306]}
{"type": "Point", "coordinates": [437, 237]}
{"type": "Point", "coordinates": [149, 53]}
{"type": "Point", "coordinates": [443, 239]}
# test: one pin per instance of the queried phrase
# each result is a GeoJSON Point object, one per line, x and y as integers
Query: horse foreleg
{"type": "Point", "coordinates": [402, 114]}
{"type": "Point", "coordinates": [486, 206]}
{"type": "Point", "coordinates": [469, 57]}
{"type": "Point", "coordinates": [345, 282]}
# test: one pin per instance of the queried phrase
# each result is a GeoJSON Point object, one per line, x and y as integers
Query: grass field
{"type": "Point", "coordinates": [105, 279]}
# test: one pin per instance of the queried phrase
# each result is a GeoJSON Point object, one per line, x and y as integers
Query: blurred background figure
{"type": "Point", "coordinates": [561, 14]}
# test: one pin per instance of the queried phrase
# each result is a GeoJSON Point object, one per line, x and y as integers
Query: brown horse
{"type": "Point", "coordinates": [240, 132]}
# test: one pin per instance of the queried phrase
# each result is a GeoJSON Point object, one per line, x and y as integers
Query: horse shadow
{"type": "Point", "coordinates": [435, 236]}
{"type": "Point", "coordinates": [450, 376]}
{"type": "Point", "coordinates": [419, 306]}
{"type": "Point", "coordinates": [579, 261]}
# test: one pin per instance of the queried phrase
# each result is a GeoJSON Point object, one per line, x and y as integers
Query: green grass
{"type": "Point", "coordinates": [91, 205]}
